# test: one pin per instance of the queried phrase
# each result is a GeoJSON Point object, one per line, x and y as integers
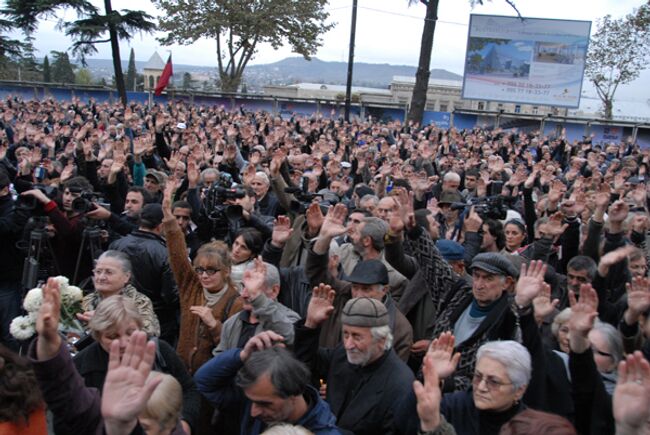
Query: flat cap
{"type": "Point", "coordinates": [368, 272]}
{"type": "Point", "coordinates": [497, 264]}
{"type": "Point", "coordinates": [364, 312]}
{"type": "Point", "coordinates": [450, 250]}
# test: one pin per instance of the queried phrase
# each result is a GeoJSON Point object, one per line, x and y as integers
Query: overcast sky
{"type": "Point", "coordinates": [388, 31]}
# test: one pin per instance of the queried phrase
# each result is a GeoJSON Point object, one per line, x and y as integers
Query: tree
{"type": "Point", "coordinates": [618, 52]}
{"type": "Point", "coordinates": [62, 71]}
{"type": "Point", "coordinates": [187, 81]}
{"type": "Point", "coordinates": [131, 72]}
{"type": "Point", "coordinates": [419, 97]}
{"type": "Point", "coordinates": [47, 74]}
{"type": "Point", "coordinates": [239, 26]}
{"type": "Point", "coordinates": [84, 77]}
{"type": "Point", "coordinates": [89, 29]}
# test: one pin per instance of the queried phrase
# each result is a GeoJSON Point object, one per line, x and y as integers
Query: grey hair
{"type": "Point", "coordinates": [286, 429]}
{"type": "Point", "coordinates": [208, 171]}
{"type": "Point", "coordinates": [513, 356]}
{"type": "Point", "coordinates": [382, 332]}
{"type": "Point", "coordinates": [121, 257]}
{"type": "Point", "coordinates": [613, 339]}
{"type": "Point", "coordinates": [111, 312]}
{"type": "Point", "coordinates": [562, 317]}
{"type": "Point", "coordinates": [289, 376]}
{"type": "Point", "coordinates": [272, 277]}
{"type": "Point", "coordinates": [369, 197]}
{"type": "Point", "coordinates": [451, 176]}
{"type": "Point", "coordinates": [376, 229]}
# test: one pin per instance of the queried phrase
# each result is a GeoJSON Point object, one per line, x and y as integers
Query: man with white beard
{"type": "Point", "coordinates": [365, 378]}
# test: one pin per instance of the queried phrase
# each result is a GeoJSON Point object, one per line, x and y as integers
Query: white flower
{"type": "Point", "coordinates": [71, 294]}
{"type": "Point", "coordinates": [62, 280]}
{"type": "Point", "coordinates": [22, 328]}
{"type": "Point", "coordinates": [33, 300]}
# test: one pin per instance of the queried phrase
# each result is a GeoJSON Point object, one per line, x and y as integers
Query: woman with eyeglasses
{"type": "Point", "coordinates": [207, 295]}
{"type": "Point", "coordinates": [502, 374]}
{"type": "Point", "coordinates": [112, 276]}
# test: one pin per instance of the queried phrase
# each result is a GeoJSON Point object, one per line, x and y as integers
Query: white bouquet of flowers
{"type": "Point", "coordinates": [24, 327]}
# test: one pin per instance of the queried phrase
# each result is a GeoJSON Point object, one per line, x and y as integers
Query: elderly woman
{"type": "Point", "coordinates": [111, 276]}
{"type": "Point", "coordinates": [116, 318]}
{"type": "Point", "coordinates": [502, 374]}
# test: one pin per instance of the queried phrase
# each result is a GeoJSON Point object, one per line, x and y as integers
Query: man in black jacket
{"type": "Point", "coordinates": [365, 378]}
{"type": "Point", "coordinates": [152, 274]}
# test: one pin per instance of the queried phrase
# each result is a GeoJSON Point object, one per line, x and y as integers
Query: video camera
{"type": "Point", "coordinates": [489, 207]}
{"type": "Point", "coordinates": [215, 202]}
{"type": "Point", "coordinates": [88, 201]}
{"type": "Point", "coordinates": [29, 202]}
{"type": "Point", "coordinates": [302, 195]}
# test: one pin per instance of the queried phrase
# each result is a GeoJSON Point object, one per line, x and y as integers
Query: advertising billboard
{"type": "Point", "coordinates": [529, 60]}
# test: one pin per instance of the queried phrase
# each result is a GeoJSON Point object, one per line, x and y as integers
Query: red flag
{"type": "Point", "coordinates": [164, 78]}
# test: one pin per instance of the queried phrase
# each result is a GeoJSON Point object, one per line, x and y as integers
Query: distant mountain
{"type": "Point", "coordinates": [292, 70]}
{"type": "Point", "coordinates": [297, 69]}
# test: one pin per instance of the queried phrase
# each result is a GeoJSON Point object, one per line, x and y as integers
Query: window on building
{"type": "Point", "coordinates": [150, 81]}
{"type": "Point", "coordinates": [443, 107]}
{"type": "Point", "coordinates": [481, 105]}
{"type": "Point", "coordinates": [535, 110]}
{"type": "Point", "coordinates": [518, 108]}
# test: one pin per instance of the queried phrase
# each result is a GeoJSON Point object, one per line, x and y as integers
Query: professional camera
{"type": "Point", "coordinates": [88, 201]}
{"type": "Point", "coordinates": [215, 205]}
{"type": "Point", "coordinates": [490, 207]}
{"type": "Point", "coordinates": [28, 202]}
{"type": "Point", "coordinates": [302, 195]}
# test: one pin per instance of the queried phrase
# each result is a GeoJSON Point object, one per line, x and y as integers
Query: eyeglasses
{"type": "Point", "coordinates": [601, 353]}
{"type": "Point", "coordinates": [210, 271]}
{"type": "Point", "coordinates": [491, 383]}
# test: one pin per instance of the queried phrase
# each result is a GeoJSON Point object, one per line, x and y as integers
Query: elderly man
{"type": "Point", "coordinates": [364, 377]}
{"type": "Point", "coordinates": [261, 385]}
{"type": "Point", "coordinates": [368, 277]}
{"type": "Point", "coordinates": [267, 202]}
{"type": "Point", "coordinates": [261, 311]}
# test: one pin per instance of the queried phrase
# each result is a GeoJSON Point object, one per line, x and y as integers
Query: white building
{"type": "Point", "coordinates": [152, 71]}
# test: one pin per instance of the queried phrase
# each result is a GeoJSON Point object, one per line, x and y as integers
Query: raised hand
{"type": "Point", "coordinates": [583, 314]}
{"type": "Point", "coordinates": [441, 352]}
{"type": "Point", "coordinates": [320, 306]}
{"type": "Point", "coordinates": [127, 388]}
{"type": "Point", "coordinates": [618, 211]}
{"type": "Point", "coordinates": [47, 322]}
{"type": "Point", "coordinates": [173, 160]}
{"type": "Point", "coordinates": [631, 401]}
{"type": "Point", "coordinates": [554, 227]}
{"type": "Point", "coordinates": [428, 396]}
{"type": "Point", "coordinates": [254, 279]}
{"type": "Point", "coordinates": [168, 195]}
{"type": "Point", "coordinates": [543, 305]}
{"type": "Point", "coordinates": [612, 258]}
{"type": "Point", "coordinates": [193, 174]}
{"type": "Point", "coordinates": [205, 314]}
{"type": "Point", "coordinates": [638, 299]}
{"type": "Point", "coordinates": [530, 282]}
{"type": "Point", "coordinates": [472, 222]}
{"type": "Point", "coordinates": [263, 340]}
{"type": "Point", "coordinates": [281, 231]}
{"type": "Point", "coordinates": [334, 222]}
{"type": "Point", "coordinates": [315, 218]}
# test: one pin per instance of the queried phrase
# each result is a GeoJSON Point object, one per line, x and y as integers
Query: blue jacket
{"type": "Point", "coordinates": [216, 381]}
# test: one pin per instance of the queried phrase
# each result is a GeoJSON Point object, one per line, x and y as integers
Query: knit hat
{"type": "Point", "coordinates": [364, 312]}
{"type": "Point", "coordinates": [450, 250]}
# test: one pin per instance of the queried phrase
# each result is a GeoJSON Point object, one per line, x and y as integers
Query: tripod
{"type": "Point", "coordinates": [91, 240]}
{"type": "Point", "coordinates": [39, 242]}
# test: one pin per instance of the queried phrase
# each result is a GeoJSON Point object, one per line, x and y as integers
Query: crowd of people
{"type": "Point", "coordinates": [246, 273]}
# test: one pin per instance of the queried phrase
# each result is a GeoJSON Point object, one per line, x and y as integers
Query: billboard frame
{"type": "Point", "coordinates": [569, 106]}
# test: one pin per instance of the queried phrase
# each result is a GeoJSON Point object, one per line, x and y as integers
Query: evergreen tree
{"type": "Point", "coordinates": [131, 72]}
{"type": "Point", "coordinates": [47, 74]}
{"type": "Point", "coordinates": [187, 81]}
{"type": "Point", "coordinates": [62, 71]}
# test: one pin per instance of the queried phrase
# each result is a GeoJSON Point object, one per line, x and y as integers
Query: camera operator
{"type": "Point", "coordinates": [11, 223]}
{"type": "Point", "coordinates": [249, 217]}
{"type": "Point", "coordinates": [68, 225]}
{"type": "Point", "coordinates": [128, 221]}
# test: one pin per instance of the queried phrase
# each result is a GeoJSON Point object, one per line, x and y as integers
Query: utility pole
{"type": "Point", "coordinates": [348, 86]}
